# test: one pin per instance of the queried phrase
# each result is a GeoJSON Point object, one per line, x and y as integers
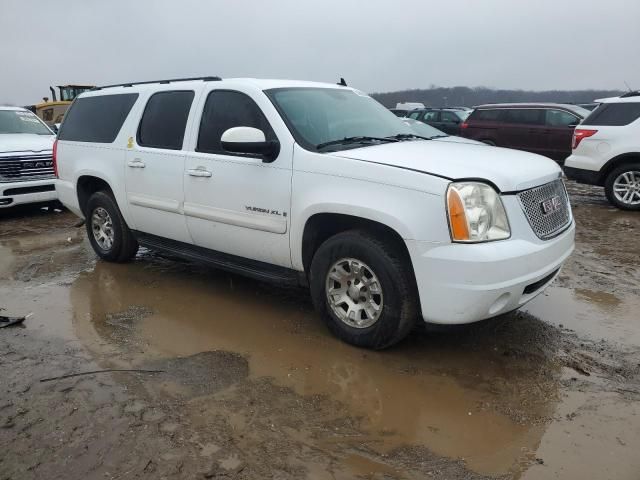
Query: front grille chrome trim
{"type": "Point", "coordinates": [21, 167]}
{"type": "Point", "coordinates": [546, 225]}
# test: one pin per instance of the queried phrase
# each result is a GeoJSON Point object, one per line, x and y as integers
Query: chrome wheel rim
{"type": "Point", "coordinates": [354, 293]}
{"type": "Point", "coordinates": [626, 187]}
{"type": "Point", "coordinates": [102, 228]}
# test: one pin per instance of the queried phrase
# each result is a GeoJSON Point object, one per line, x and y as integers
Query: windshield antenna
{"type": "Point", "coordinates": [342, 83]}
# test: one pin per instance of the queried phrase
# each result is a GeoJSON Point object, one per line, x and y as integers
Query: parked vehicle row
{"type": "Point", "coordinates": [319, 185]}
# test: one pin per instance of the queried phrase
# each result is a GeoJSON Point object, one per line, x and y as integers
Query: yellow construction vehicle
{"type": "Point", "coordinates": [52, 111]}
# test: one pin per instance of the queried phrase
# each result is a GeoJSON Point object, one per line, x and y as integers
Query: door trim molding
{"type": "Point", "coordinates": [264, 222]}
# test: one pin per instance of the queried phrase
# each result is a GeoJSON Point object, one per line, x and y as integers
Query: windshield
{"type": "Point", "coordinates": [69, 93]}
{"type": "Point", "coordinates": [319, 116]}
{"type": "Point", "coordinates": [20, 121]}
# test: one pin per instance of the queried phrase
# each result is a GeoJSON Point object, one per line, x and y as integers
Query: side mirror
{"type": "Point", "coordinates": [250, 140]}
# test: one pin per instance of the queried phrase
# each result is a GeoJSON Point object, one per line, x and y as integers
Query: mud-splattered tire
{"type": "Point", "coordinates": [352, 253]}
{"type": "Point", "coordinates": [616, 181]}
{"type": "Point", "coordinates": [108, 233]}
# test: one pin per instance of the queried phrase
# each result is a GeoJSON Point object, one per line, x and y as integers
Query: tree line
{"type": "Point", "coordinates": [469, 97]}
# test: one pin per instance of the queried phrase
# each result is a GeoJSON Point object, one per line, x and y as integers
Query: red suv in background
{"type": "Point", "coordinates": [543, 128]}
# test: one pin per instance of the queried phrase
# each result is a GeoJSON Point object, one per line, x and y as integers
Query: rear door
{"type": "Point", "coordinates": [559, 132]}
{"type": "Point", "coordinates": [449, 122]}
{"type": "Point", "coordinates": [155, 164]}
{"type": "Point", "coordinates": [524, 129]}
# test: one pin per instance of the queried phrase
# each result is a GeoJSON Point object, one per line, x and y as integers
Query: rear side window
{"type": "Point", "coordinates": [96, 119]}
{"type": "Point", "coordinates": [558, 118]}
{"type": "Point", "coordinates": [449, 117]}
{"type": "Point", "coordinates": [414, 115]}
{"type": "Point", "coordinates": [613, 114]}
{"type": "Point", "coordinates": [226, 109]}
{"type": "Point", "coordinates": [164, 120]}
{"type": "Point", "coordinates": [525, 116]}
{"type": "Point", "coordinates": [486, 115]}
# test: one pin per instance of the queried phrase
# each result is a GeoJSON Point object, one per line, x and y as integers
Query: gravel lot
{"type": "Point", "coordinates": [239, 379]}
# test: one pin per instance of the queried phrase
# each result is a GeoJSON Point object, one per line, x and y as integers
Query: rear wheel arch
{"type": "Point", "coordinates": [615, 162]}
{"type": "Point", "coordinates": [86, 186]}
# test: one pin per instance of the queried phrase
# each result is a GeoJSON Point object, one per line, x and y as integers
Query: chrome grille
{"type": "Point", "coordinates": [26, 167]}
{"type": "Point", "coordinates": [547, 208]}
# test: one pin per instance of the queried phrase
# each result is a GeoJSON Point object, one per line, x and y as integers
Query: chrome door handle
{"type": "Point", "coordinates": [199, 172]}
{"type": "Point", "coordinates": [137, 163]}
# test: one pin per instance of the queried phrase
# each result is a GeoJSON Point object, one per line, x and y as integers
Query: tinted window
{"type": "Point", "coordinates": [487, 115]}
{"type": "Point", "coordinates": [525, 116]}
{"type": "Point", "coordinates": [224, 110]}
{"type": "Point", "coordinates": [165, 119]}
{"type": "Point", "coordinates": [449, 117]}
{"type": "Point", "coordinates": [614, 114]}
{"type": "Point", "coordinates": [558, 118]}
{"type": "Point", "coordinates": [414, 115]}
{"type": "Point", "coordinates": [96, 119]}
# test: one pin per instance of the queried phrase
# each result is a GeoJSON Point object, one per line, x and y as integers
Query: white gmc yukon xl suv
{"type": "Point", "coordinates": [315, 184]}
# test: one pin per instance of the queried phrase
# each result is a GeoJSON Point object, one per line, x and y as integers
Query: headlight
{"type": "Point", "coordinates": [476, 213]}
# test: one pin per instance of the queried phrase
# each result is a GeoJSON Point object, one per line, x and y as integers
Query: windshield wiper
{"type": "Point", "coordinates": [408, 136]}
{"type": "Point", "coordinates": [359, 139]}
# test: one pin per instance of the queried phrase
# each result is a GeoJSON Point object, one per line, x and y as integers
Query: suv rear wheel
{"type": "Point", "coordinates": [364, 290]}
{"type": "Point", "coordinates": [108, 233]}
{"type": "Point", "coordinates": [622, 186]}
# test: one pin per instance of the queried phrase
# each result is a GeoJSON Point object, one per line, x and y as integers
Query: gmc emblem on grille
{"type": "Point", "coordinates": [551, 205]}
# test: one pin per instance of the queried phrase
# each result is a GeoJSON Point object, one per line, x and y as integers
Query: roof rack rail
{"type": "Point", "coordinates": [631, 94]}
{"type": "Point", "coordinates": [171, 80]}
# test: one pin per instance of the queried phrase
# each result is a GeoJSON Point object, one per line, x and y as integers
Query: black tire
{"type": "Point", "coordinates": [609, 181]}
{"type": "Point", "coordinates": [124, 246]}
{"type": "Point", "coordinates": [400, 307]}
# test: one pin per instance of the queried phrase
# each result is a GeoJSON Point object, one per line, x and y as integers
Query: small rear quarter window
{"type": "Point", "coordinates": [96, 119]}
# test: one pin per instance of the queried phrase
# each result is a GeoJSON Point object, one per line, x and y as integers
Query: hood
{"type": "Point", "coordinates": [25, 142]}
{"type": "Point", "coordinates": [509, 170]}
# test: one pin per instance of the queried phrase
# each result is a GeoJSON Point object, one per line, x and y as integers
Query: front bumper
{"type": "Point", "coordinates": [463, 283]}
{"type": "Point", "coordinates": [29, 191]}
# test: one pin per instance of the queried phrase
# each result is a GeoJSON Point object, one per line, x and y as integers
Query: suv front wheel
{"type": "Point", "coordinates": [622, 186]}
{"type": "Point", "coordinates": [108, 232]}
{"type": "Point", "coordinates": [364, 289]}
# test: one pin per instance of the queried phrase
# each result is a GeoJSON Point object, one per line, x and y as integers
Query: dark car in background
{"type": "Point", "coordinates": [449, 120]}
{"type": "Point", "coordinates": [542, 128]}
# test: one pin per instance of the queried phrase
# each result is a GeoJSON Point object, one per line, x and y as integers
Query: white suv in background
{"type": "Point", "coordinates": [315, 184]}
{"type": "Point", "coordinates": [26, 163]}
{"type": "Point", "coordinates": [606, 150]}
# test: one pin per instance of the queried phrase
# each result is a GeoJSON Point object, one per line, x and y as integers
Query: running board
{"type": "Point", "coordinates": [224, 261]}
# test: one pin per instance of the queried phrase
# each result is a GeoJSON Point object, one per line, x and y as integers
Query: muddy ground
{"type": "Point", "coordinates": [238, 379]}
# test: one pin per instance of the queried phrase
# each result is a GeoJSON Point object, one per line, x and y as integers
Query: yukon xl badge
{"type": "Point", "coordinates": [551, 205]}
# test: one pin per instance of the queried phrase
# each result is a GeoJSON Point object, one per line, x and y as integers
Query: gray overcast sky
{"type": "Point", "coordinates": [376, 45]}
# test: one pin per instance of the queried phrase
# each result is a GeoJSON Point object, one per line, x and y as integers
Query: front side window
{"type": "Point", "coordinates": [96, 119]}
{"type": "Point", "coordinates": [20, 121]}
{"type": "Point", "coordinates": [414, 115]}
{"type": "Point", "coordinates": [431, 116]}
{"type": "Point", "coordinates": [164, 120]}
{"type": "Point", "coordinates": [524, 116]}
{"type": "Point", "coordinates": [558, 118]}
{"type": "Point", "coordinates": [613, 114]}
{"type": "Point", "coordinates": [225, 109]}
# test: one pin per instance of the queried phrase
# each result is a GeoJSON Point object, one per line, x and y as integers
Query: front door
{"type": "Point", "coordinates": [234, 203]}
{"type": "Point", "coordinates": [155, 165]}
